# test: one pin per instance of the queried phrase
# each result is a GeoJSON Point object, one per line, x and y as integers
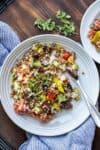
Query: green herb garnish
{"type": "Point", "coordinates": [63, 16]}
{"type": "Point", "coordinates": [34, 86]}
{"type": "Point", "coordinates": [48, 24]}
{"type": "Point", "coordinates": [65, 27]}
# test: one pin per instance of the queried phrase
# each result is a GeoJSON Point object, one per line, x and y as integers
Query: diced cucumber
{"type": "Point", "coordinates": [75, 67]}
{"type": "Point", "coordinates": [63, 67]}
{"type": "Point", "coordinates": [16, 85]}
{"type": "Point", "coordinates": [61, 98]}
{"type": "Point", "coordinates": [43, 97]}
{"type": "Point", "coordinates": [55, 63]}
{"type": "Point", "coordinates": [75, 94]}
{"type": "Point", "coordinates": [37, 63]}
{"type": "Point", "coordinates": [37, 110]}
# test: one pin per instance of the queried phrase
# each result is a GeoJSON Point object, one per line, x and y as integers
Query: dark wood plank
{"type": "Point", "coordinates": [20, 15]}
{"type": "Point", "coordinates": [14, 135]}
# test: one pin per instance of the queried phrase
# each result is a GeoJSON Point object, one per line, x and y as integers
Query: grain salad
{"type": "Point", "coordinates": [40, 86]}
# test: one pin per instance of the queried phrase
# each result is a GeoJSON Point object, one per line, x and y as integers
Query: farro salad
{"type": "Point", "coordinates": [94, 33]}
{"type": "Point", "coordinates": [40, 86]}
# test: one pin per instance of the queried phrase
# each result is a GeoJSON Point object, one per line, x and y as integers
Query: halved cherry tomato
{"type": "Point", "coordinates": [51, 95]}
{"type": "Point", "coordinates": [66, 55]}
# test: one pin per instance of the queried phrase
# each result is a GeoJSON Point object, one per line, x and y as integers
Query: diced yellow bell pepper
{"type": "Point", "coordinates": [71, 59]}
{"type": "Point", "coordinates": [96, 37]}
{"type": "Point", "coordinates": [56, 106]}
{"type": "Point", "coordinates": [34, 48]}
{"type": "Point", "coordinates": [58, 47]}
{"type": "Point", "coordinates": [59, 84]}
{"type": "Point", "coordinates": [40, 50]}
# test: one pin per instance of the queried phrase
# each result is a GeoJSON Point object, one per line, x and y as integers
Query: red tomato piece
{"type": "Point", "coordinates": [51, 95]}
{"type": "Point", "coordinates": [66, 55]}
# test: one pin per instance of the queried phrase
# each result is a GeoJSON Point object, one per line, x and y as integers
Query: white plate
{"type": "Point", "coordinates": [92, 12]}
{"type": "Point", "coordinates": [67, 120]}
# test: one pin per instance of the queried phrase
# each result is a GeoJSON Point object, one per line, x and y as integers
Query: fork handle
{"type": "Point", "coordinates": [95, 114]}
{"type": "Point", "coordinates": [92, 108]}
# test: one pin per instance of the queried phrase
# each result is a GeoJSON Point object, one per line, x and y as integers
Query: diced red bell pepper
{"type": "Point", "coordinates": [66, 55]}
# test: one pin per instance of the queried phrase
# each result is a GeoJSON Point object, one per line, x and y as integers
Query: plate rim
{"type": "Point", "coordinates": [76, 124]}
{"type": "Point", "coordinates": [82, 24]}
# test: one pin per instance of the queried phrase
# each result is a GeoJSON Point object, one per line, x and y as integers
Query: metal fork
{"type": "Point", "coordinates": [91, 107]}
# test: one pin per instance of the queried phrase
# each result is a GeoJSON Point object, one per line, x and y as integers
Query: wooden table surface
{"type": "Point", "coordinates": [20, 16]}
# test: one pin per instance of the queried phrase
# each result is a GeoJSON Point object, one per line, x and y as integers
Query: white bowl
{"type": "Point", "coordinates": [67, 120]}
{"type": "Point", "coordinates": [91, 13]}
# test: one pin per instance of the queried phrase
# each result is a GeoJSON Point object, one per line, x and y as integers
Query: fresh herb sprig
{"type": "Point", "coordinates": [65, 27]}
{"type": "Point", "coordinates": [48, 24]}
{"type": "Point", "coordinates": [68, 27]}
{"type": "Point", "coordinates": [63, 16]}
